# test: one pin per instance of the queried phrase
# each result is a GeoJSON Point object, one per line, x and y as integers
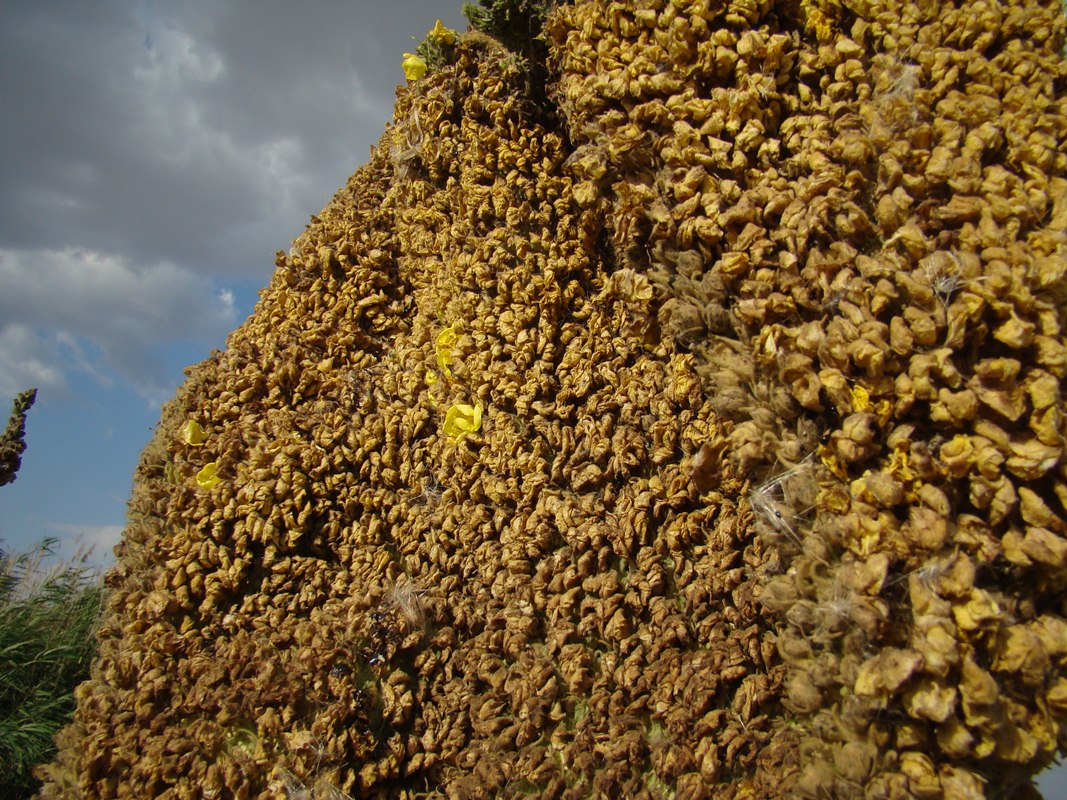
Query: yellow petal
{"type": "Point", "coordinates": [208, 476]}
{"type": "Point", "coordinates": [192, 433]}
{"type": "Point", "coordinates": [414, 67]}
{"type": "Point", "coordinates": [898, 462]}
{"type": "Point", "coordinates": [442, 35]}
{"type": "Point", "coordinates": [861, 398]}
{"type": "Point", "coordinates": [431, 377]}
{"type": "Point", "coordinates": [462, 419]}
{"type": "Point", "coordinates": [443, 346]}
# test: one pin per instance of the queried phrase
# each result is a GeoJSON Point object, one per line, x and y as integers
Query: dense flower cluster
{"type": "Point", "coordinates": [699, 436]}
{"type": "Point", "coordinates": [857, 220]}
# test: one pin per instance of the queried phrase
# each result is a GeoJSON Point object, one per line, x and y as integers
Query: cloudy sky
{"type": "Point", "coordinates": [154, 156]}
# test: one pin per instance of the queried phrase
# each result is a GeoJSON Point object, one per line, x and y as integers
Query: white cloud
{"type": "Point", "coordinates": [94, 542]}
{"type": "Point", "coordinates": [103, 315]}
{"type": "Point", "coordinates": [27, 359]}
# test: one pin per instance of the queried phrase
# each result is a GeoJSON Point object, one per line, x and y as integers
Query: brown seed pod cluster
{"type": "Point", "coordinates": [357, 599]}
{"type": "Point", "coordinates": [702, 436]}
{"type": "Point", "coordinates": [855, 216]}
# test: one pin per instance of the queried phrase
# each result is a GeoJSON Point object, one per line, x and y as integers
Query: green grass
{"type": "Point", "coordinates": [47, 621]}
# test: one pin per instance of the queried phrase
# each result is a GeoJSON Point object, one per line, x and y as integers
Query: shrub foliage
{"type": "Point", "coordinates": [47, 623]}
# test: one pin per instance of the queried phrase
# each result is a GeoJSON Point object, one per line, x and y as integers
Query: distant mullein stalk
{"type": "Point", "coordinates": [13, 440]}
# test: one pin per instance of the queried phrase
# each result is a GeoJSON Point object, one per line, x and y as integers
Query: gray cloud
{"type": "Point", "coordinates": [155, 153]}
{"type": "Point", "coordinates": [121, 312]}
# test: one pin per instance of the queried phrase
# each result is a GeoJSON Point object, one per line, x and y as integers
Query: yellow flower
{"type": "Point", "coordinates": [462, 419]}
{"type": "Point", "coordinates": [443, 346]}
{"type": "Point", "coordinates": [442, 35]}
{"type": "Point", "coordinates": [209, 475]}
{"type": "Point", "coordinates": [431, 377]}
{"type": "Point", "coordinates": [829, 460]}
{"type": "Point", "coordinates": [414, 67]}
{"type": "Point", "coordinates": [898, 462]}
{"type": "Point", "coordinates": [192, 433]}
{"type": "Point", "coordinates": [861, 399]}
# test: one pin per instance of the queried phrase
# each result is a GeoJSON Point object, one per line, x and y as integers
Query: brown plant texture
{"type": "Point", "coordinates": [697, 432]}
{"type": "Point", "coordinates": [13, 439]}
